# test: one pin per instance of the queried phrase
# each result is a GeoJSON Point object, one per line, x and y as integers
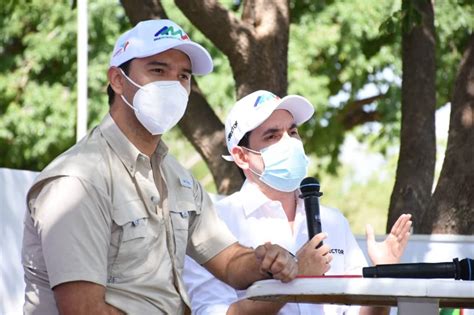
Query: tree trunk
{"type": "Point", "coordinates": [416, 162]}
{"type": "Point", "coordinates": [257, 48]}
{"type": "Point", "coordinates": [143, 10]}
{"type": "Point", "coordinates": [200, 124]}
{"type": "Point", "coordinates": [204, 130]}
{"type": "Point", "coordinates": [256, 44]}
{"type": "Point", "coordinates": [451, 209]}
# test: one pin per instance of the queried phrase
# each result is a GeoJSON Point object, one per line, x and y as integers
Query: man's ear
{"type": "Point", "coordinates": [240, 157]}
{"type": "Point", "coordinates": [116, 79]}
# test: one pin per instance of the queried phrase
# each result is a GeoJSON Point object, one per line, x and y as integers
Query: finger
{"type": "Point", "coordinates": [271, 259]}
{"type": "Point", "coordinates": [317, 239]}
{"type": "Point", "coordinates": [279, 262]}
{"type": "Point", "coordinates": [260, 252]}
{"type": "Point", "coordinates": [284, 267]}
{"type": "Point", "coordinates": [406, 226]}
{"type": "Point", "coordinates": [268, 259]}
{"type": "Point", "coordinates": [328, 261]}
{"type": "Point", "coordinates": [405, 230]}
{"type": "Point", "coordinates": [405, 235]}
{"type": "Point", "coordinates": [287, 276]}
{"type": "Point", "coordinates": [396, 226]}
{"type": "Point", "coordinates": [323, 250]}
{"type": "Point", "coordinates": [327, 268]}
{"type": "Point", "coordinates": [281, 258]}
{"type": "Point", "coordinates": [329, 258]}
{"type": "Point", "coordinates": [402, 223]}
{"type": "Point", "coordinates": [312, 243]}
{"type": "Point", "coordinates": [404, 241]}
{"type": "Point", "coordinates": [369, 233]}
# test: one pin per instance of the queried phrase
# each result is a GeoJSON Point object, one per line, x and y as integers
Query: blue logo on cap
{"type": "Point", "coordinates": [170, 32]}
{"type": "Point", "coordinates": [264, 98]}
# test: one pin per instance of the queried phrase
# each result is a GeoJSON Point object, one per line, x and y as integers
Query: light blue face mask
{"type": "Point", "coordinates": [285, 163]}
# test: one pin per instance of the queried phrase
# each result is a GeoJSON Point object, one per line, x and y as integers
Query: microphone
{"type": "Point", "coordinates": [310, 193]}
{"type": "Point", "coordinates": [458, 269]}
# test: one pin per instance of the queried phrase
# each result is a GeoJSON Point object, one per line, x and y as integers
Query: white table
{"type": "Point", "coordinates": [412, 296]}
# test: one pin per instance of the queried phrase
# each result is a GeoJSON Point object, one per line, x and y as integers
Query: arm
{"type": "Point", "coordinates": [74, 249]}
{"type": "Point", "coordinates": [266, 258]}
{"type": "Point", "coordinates": [250, 307]}
{"type": "Point", "coordinates": [239, 266]}
{"type": "Point", "coordinates": [81, 297]}
{"type": "Point", "coordinates": [209, 295]}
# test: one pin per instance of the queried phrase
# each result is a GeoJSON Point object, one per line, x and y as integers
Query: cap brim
{"type": "Point", "coordinates": [201, 61]}
{"type": "Point", "coordinates": [299, 107]}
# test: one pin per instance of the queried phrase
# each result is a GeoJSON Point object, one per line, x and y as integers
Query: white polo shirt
{"type": "Point", "coordinates": [254, 219]}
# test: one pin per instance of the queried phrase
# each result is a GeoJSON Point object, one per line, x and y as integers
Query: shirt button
{"type": "Point", "coordinates": [155, 200]}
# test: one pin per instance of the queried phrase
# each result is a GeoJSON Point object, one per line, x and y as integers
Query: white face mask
{"type": "Point", "coordinates": [158, 105]}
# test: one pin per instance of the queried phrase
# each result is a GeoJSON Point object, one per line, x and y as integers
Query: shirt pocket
{"type": "Point", "coordinates": [181, 214]}
{"type": "Point", "coordinates": [132, 240]}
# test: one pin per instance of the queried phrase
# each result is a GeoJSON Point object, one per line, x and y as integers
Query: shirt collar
{"type": "Point", "coordinates": [160, 152]}
{"type": "Point", "coordinates": [255, 198]}
{"type": "Point", "coordinates": [125, 150]}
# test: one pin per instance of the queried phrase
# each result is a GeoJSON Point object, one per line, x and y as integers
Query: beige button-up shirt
{"type": "Point", "coordinates": [103, 212]}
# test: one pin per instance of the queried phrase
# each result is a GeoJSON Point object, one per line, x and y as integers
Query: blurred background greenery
{"type": "Point", "coordinates": [339, 52]}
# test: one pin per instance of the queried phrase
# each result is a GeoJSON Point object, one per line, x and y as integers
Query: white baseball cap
{"type": "Point", "coordinates": [152, 37]}
{"type": "Point", "coordinates": [252, 110]}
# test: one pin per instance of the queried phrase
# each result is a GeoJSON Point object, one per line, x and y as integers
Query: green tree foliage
{"type": "Point", "coordinates": [37, 57]}
{"type": "Point", "coordinates": [340, 52]}
{"type": "Point", "coordinates": [38, 76]}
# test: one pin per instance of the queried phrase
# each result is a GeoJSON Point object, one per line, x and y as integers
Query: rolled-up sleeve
{"type": "Point", "coordinates": [208, 234]}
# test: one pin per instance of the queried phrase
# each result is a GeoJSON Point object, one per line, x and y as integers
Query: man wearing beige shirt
{"type": "Point", "coordinates": [110, 220]}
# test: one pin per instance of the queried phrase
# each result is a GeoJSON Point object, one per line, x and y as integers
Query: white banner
{"type": "Point", "coordinates": [15, 183]}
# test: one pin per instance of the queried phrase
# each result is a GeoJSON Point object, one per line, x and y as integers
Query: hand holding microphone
{"type": "Point", "coordinates": [314, 261]}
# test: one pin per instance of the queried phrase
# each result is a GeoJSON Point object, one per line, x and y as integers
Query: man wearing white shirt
{"type": "Point", "coordinates": [262, 139]}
